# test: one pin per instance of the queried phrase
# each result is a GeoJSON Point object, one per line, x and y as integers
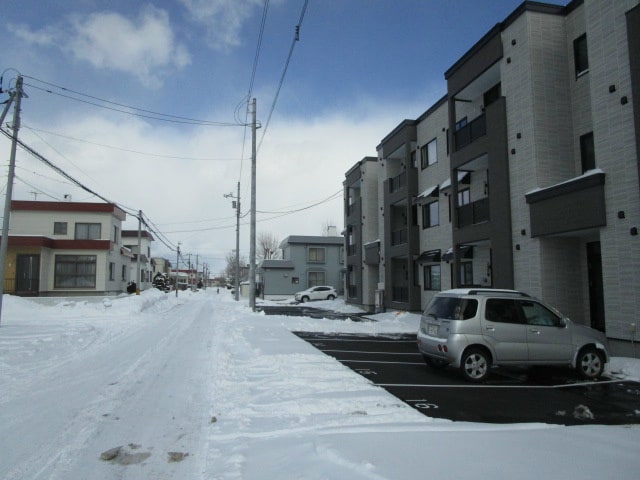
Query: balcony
{"type": "Point", "coordinates": [470, 132]}
{"type": "Point", "coordinates": [474, 213]}
{"type": "Point", "coordinates": [399, 237]}
{"type": "Point", "coordinates": [398, 182]}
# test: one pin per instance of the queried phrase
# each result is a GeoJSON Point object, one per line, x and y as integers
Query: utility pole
{"type": "Point", "coordinates": [236, 205]}
{"type": "Point", "coordinates": [17, 96]}
{"type": "Point", "coordinates": [252, 236]}
{"type": "Point", "coordinates": [177, 269]}
{"type": "Point", "coordinates": [138, 275]}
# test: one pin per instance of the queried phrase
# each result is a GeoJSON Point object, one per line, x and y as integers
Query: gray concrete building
{"type": "Point", "coordinates": [307, 261]}
{"type": "Point", "coordinates": [532, 174]}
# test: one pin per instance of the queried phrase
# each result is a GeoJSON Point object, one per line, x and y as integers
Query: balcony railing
{"type": "Point", "coordinates": [473, 213]}
{"type": "Point", "coordinates": [398, 237]}
{"type": "Point", "coordinates": [398, 182]}
{"type": "Point", "coordinates": [471, 132]}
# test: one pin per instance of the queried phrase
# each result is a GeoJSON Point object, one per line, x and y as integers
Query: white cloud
{"type": "Point", "coordinates": [145, 47]}
{"type": "Point", "coordinates": [223, 19]}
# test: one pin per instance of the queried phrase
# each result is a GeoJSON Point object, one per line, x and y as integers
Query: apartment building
{"type": "Point", "coordinates": [362, 240]}
{"type": "Point", "coordinates": [66, 249]}
{"type": "Point", "coordinates": [539, 138]}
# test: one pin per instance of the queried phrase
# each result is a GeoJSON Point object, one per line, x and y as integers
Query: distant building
{"type": "Point", "coordinates": [307, 261]}
{"type": "Point", "coordinates": [142, 258]}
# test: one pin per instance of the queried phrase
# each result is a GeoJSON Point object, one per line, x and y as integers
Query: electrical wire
{"type": "Point", "coordinates": [157, 155]}
{"type": "Point", "coordinates": [295, 40]}
{"type": "Point", "coordinates": [130, 109]}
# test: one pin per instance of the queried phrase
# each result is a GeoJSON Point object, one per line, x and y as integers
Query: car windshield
{"type": "Point", "coordinates": [452, 308]}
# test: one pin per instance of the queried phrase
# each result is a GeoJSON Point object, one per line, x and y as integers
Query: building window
{"type": "Point", "coordinates": [587, 152]}
{"type": "Point", "coordinates": [414, 159]}
{"type": "Point", "coordinates": [59, 228]}
{"type": "Point", "coordinates": [466, 274]}
{"type": "Point", "coordinates": [316, 255]}
{"type": "Point", "coordinates": [88, 231]}
{"type": "Point", "coordinates": [115, 234]}
{"type": "Point", "coordinates": [316, 279]}
{"type": "Point", "coordinates": [464, 197]}
{"type": "Point", "coordinates": [461, 123]}
{"type": "Point", "coordinates": [428, 154]}
{"type": "Point", "coordinates": [432, 277]}
{"type": "Point", "coordinates": [580, 55]}
{"type": "Point", "coordinates": [430, 215]}
{"type": "Point", "coordinates": [491, 95]}
{"type": "Point", "coordinates": [124, 273]}
{"type": "Point", "coordinates": [112, 271]}
{"type": "Point", "coordinates": [75, 271]}
{"type": "Point", "coordinates": [295, 280]}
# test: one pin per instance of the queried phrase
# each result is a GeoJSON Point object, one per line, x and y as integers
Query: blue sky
{"type": "Point", "coordinates": [359, 68]}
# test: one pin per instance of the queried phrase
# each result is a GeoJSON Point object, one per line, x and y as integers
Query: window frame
{"type": "Point", "coordinates": [427, 214]}
{"type": "Point", "coordinates": [316, 283]}
{"type": "Point", "coordinates": [429, 153]}
{"type": "Point", "coordinates": [587, 152]}
{"type": "Point", "coordinates": [581, 55]}
{"type": "Point", "coordinates": [90, 235]}
{"type": "Point", "coordinates": [317, 249]}
{"type": "Point", "coordinates": [77, 263]}
{"type": "Point", "coordinates": [429, 278]}
{"type": "Point", "coordinates": [58, 226]}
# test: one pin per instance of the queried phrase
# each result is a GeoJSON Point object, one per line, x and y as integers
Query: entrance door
{"type": "Point", "coordinates": [596, 290]}
{"type": "Point", "coordinates": [27, 274]}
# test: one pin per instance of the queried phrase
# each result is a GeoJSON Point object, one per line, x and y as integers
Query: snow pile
{"type": "Point", "coordinates": [152, 386]}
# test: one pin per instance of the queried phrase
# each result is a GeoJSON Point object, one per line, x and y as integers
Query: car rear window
{"type": "Point", "coordinates": [452, 308]}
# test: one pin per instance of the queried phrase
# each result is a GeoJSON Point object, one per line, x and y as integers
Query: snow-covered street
{"type": "Point", "coordinates": [200, 387]}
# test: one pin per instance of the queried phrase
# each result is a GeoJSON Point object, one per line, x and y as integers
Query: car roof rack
{"type": "Point", "coordinates": [480, 291]}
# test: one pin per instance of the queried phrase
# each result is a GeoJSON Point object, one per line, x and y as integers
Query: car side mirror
{"type": "Point", "coordinates": [563, 322]}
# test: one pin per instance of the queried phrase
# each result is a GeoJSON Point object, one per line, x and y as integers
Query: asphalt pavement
{"type": "Point", "coordinates": [545, 395]}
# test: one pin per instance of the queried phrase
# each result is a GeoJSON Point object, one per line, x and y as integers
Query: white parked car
{"type": "Point", "coordinates": [316, 293]}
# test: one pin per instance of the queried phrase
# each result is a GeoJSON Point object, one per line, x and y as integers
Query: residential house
{"type": "Point", "coordinates": [141, 256]}
{"type": "Point", "coordinates": [307, 261]}
{"type": "Point", "coordinates": [535, 182]}
{"type": "Point", "coordinates": [66, 249]}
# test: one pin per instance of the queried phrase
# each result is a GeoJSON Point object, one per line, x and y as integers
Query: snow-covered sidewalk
{"type": "Point", "coordinates": [201, 387]}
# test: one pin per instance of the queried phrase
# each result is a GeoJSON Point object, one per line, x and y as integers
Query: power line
{"type": "Point", "coordinates": [158, 155]}
{"type": "Point", "coordinates": [295, 40]}
{"type": "Point", "coordinates": [126, 109]}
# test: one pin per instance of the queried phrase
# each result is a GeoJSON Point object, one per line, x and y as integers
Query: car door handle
{"type": "Point", "coordinates": [535, 330]}
{"type": "Point", "coordinates": [491, 329]}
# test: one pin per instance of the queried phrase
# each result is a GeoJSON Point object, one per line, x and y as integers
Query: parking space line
{"type": "Point", "coordinates": [484, 385]}
{"type": "Point", "coordinates": [364, 351]}
{"type": "Point", "coordinates": [381, 361]}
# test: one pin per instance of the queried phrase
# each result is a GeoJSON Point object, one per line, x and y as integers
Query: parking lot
{"type": "Point", "coordinates": [547, 395]}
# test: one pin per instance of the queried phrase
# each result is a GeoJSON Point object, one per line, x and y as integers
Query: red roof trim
{"type": "Point", "coordinates": [34, 206]}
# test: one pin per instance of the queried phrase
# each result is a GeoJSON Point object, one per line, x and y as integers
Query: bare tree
{"type": "Point", "coordinates": [267, 247]}
{"type": "Point", "coordinates": [230, 269]}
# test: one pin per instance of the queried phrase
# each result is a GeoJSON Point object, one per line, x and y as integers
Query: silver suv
{"type": "Point", "coordinates": [473, 329]}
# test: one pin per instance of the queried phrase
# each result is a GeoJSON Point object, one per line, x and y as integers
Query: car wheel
{"type": "Point", "coordinates": [331, 297]}
{"type": "Point", "coordinates": [475, 365]}
{"type": "Point", "coordinates": [590, 363]}
{"type": "Point", "coordinates": [435, 362]}
{"type": "Point", "coordinates": [304, 299]}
